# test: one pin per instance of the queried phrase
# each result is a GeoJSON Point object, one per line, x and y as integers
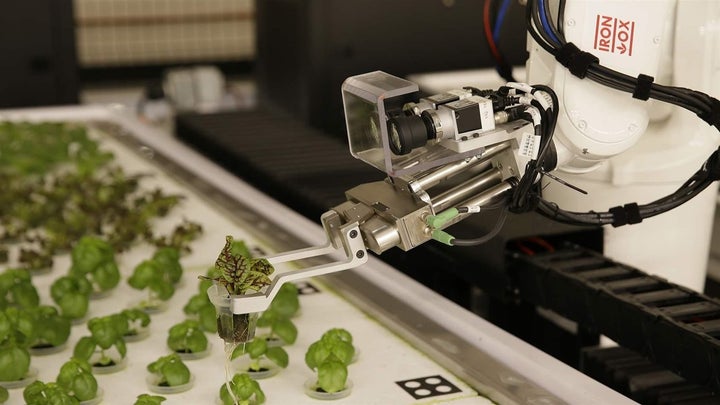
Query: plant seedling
{"type": "Point", "coordinates": [94, 259]}
{"type": "Point", "coordinates": [239, 274]}
{"type": "Point", "coordinates": [72, 294]}
{"type": "Point", "coordinates": [277, 316]}
{"type": "Point", "coordinates": [258, 348]}
{"type": "Point", "coordinates": [181, 236]}
{"type": "Point", "coordinates": [52, 329]}
{"type": "Point", "coordinates": [158, 275]}
{"type": "Point", "coordinates": [17, 289]}
{"type": "Point", "coordinates": [330, 357]}
{"type": "Point", "coordinates": [170, 371]}
{"type": "Point", "coordinates": [147, 399]}
{"type": "Point", "coordinates": [40, 393]}
{"type": "Point", "coordinates": [34, 259]}
{"type": "Point", "coordinates": [17, 332]}
{"type": "Point", "coordinates": [77, 379]}
{"type": "Point", "coordinates": [187, 337]}
{"type": "Point", "coordinates": [244, 390]}
{"type": "Point", "coordinates": [136, 320]}
{"type": "Point", "coordinates": [105, 332]}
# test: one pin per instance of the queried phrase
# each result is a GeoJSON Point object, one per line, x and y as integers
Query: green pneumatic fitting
{"type": "Point", "coordinates": [437, 221]}
{"type": "Point", "coordinates": [442, 237]}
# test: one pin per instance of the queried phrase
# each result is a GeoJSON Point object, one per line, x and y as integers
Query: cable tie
{"type": "Point", "coordinates": [643, 86]}
{"type": "Point", "coordinates": [628, 214]}
{"type": "Point", "coordinates": [712, 117]}
{"type": "Point", "coordinates": [576, 60]}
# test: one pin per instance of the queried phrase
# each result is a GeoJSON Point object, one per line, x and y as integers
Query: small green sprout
{"type": "Point", "coordinates": [17, 332]}
{"type": "Point", "coordinates": [17, 289]}
{"type": "Point", "coordinates": [72, 295]}
{"type": "Point", "coordinates": [40, 393]}
{"type": "Point", "coordinates": [105, 332]}
{"type": "Point", "coordinates": [158, 275]}
{"type": "Point", "coordinates": [77, 378]}
{"type": "Point", "coordinates": [94, 259]}
{"type": "Point", "coordinates": [52, 329]}
{"type": "Point", "coordinates": [170, 371]}
{"type": "Point", "coordinates": [187, 337]}
{"type": "Point", "coordinates": [244, 390]}
{"type": "Point", "coordinates": [258, 348]}
{"type": "Point", "coordinates": [277, 316]}
{"type": "Point", "coordinates": [147, 399]}
{"type": "Point", "coordinates": [330, 357]}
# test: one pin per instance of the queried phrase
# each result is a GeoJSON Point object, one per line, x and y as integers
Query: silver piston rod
{"type": "Point", "coordinates": [461, 192]}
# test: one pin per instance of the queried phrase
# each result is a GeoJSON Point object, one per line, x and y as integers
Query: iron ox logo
{"type": "Point", "coordinates": [614, 35]}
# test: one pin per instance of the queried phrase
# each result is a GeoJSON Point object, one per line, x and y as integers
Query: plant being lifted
{"type": "Point", "coordinates": [94, 259]}
{"type": "Point", "coordinates": [243, 391]}
{"type": "Point", "coordinates": [159, 276]}
{"type": "Point", "coordinates": [238, 275]}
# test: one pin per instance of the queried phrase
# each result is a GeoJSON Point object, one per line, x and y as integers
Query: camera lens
{"type": "Point", "coordinates": [407, 133]}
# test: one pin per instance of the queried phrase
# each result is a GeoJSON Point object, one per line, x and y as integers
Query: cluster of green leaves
{"type": "Point", "coordinates": [75, 383]}
{"type": "Point", "coordinates": [147, 399]}
{"type": "Point", "coordinates": [105, 332]}
{"type": "Point", "coordinates": [72, 294]}
{"type": "Point", "coordinates": [257, 349]}
{"type": "Point", "coordinates": [18, 330]}
{"type": "Point", "coordinates": [170, 371]}
{"type": "Point", "coordinates": [158, 274]}
{"type": "Point", "coordinates": [17, 289]}
{"type": "Point", "coordinates": [94, 259]}
{"type": "Point", "coordinates": [187, 337]}
{"type": "Point", "coordinates": [136, 319]}
{"type": "Point", "coordinates": [244, 389]}
{"type": "Point", "coordinates": [200, 304]}
{"type": "Point", "coordinates": [239, 273]}
{"type": "Point", "coordinates": [330, 356]}
{"type": "Point", "coordinates": [52, 328]}
{"type": "Point", "coordinates": [277, 316]}
{"type": "Point", "coordinates": [58, 186]}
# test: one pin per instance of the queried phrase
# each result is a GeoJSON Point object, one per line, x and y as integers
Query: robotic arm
{"type": "Point", "coordinates": [450, 155]}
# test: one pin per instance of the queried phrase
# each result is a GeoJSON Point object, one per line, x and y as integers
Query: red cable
{"type": "Point", "coordinates": [488, 33]}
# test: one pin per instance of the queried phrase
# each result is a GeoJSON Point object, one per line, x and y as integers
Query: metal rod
{"type": "Point", "coordinates": [431, 179]}
{"type": "Point", "coordinates": [463, 191]}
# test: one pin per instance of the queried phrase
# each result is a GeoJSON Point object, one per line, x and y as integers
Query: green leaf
{"type": "Point", "coordinates": [285, 330]}
{"type": "Point", "coordinates": [187, 336]}
{"type": "Point", "coordinates": [196, 302]}
{"type": "Point", "coordinates": [106, 276]}
{"type": "Point", "coordinates": [332, 376]}
{"type": "Point", "coordinates": [146, 399]}
{"type": "Point", "coordinates": [176, 372]}
{"type": "Point", "coordinates": [34, 393]}
{"type": "Point", "coordinates": [316, 354]}
{"type": "Point", "coordinates": [84, 386]}
{"type": "Point", "coordinates": [277, 355]}
{"type": "Point", "coordinates": [144, 273]}
{"type": "Point", "coordinates": [51, 327]}
{"type": "Point", "coordinates": [244, 388]}
{"type": "Point", "coordinates": [256, 348]}
{"type": "Point", "coordinates": [89, 253]}
{"type": "Point", "coordinates": [168, 260]}
{"type": "Point", "coordinates": [207, 317]}
{"type": "Point", "coordinates": [337, 334]}
{"type": "Point", "coordinates": [162, 289]}
{"type": "Point", "coordinates": [84, 348]}
{"type": "Point", "coordinates": [74, 306]}
{"type": "Point", "coordinates": [121, 347]}
{"type": "Point", "coordinates": [103, 332]}
{"type": "Point", "coordinates": [6, 326]}
{"type": "Point", "coordinates": [14, 363]}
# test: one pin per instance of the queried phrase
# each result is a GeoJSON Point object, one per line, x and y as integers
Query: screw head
{"type": "Point", "coordinates": [360, 254]}
{"type": "Point", "coordinates": [353, 234]}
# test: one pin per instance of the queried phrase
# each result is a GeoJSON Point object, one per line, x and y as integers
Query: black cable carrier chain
{"type": "Point", "coordinates": [674, 326]}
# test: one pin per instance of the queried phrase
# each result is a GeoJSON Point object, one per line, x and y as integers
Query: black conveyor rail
{"type": "Point", "coordinates": [672, 325]}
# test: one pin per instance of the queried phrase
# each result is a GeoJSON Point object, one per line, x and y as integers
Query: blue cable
{"type": "Point", "coordinates": [545, 23]}
{"type": "Point", "coordinates": [500, 18]}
